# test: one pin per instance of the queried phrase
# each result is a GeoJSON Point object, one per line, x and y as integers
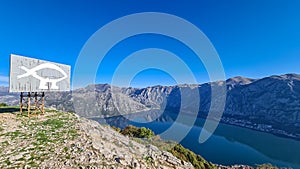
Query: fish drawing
{"type": "Point", "coordinates": [43, 80]}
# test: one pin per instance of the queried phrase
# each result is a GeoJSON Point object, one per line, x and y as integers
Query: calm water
{"type": "Point", "coordinates": [228, 145]}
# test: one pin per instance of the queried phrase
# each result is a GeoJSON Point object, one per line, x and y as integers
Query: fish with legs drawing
{"type": "Point", "coordinates": [44, 80]}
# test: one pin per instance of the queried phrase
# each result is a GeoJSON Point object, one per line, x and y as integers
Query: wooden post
{"type": "Point", "coordinates": [21, 102]}
{"type": "Point", "coordinates": [36, 102]}
{"type": "Point", "coordinates": [43, 102]}
{"type": "Point", "coordinates": [28, 108]}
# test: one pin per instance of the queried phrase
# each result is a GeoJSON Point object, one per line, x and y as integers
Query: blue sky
{"type": "Point", "coordinates": [254, 38]}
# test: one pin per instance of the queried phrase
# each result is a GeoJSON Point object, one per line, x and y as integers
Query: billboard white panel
{"type": "Point", "coordinates": [34, 75]}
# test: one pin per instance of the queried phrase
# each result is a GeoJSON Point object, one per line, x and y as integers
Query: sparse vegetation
{"type": "Point", "coordinates": [116, 128]}
{"type": "Point", "coordinates": [148, 159]}
{"type": "Point", "coordinates": [37, 138]}
{"type": "Point", "coordinates": [54, 123]}
{"type": "Point", "coordinates": [15, 134]}
{"type": "Point", "coordinates": [176, 149]}
{"type": "Point", "coordinates": [187, 155]}
{"type": "Point", "coordinates": [133, 131]}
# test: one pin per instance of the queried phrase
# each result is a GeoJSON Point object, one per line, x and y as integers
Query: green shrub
{"type": "Point", "coordinates": [3, 105]}
{"type": "Point", "coordinates": [130, 131]}
{"type": "Point", "coordinates": [187, 155]}
{"type": "Point", "coordinates": [145, 133]}
{"type": "Point", "coordinates": [116, 128]}
{"type": "Point", "coordinates": [142, 132]}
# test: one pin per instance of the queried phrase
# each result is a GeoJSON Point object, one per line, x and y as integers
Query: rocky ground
{"type": "Point", "coordinates": [63, 140]}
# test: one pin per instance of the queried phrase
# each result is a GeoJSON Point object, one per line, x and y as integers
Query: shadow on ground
{"type": "Point", "coordinates": [9, 109]}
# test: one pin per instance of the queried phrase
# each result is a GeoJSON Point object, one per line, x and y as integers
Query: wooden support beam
{"type": "Point", "coordinates": [43, 102]}
{"type": "Point", "coordinates": [34, 101]}
{"type": "Point", "coordinates": [21, 102]}
{"type": "Point", "coordinates": [28, 104]}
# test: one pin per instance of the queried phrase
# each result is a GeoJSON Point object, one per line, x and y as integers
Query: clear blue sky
{"type": "Point", "coordinates": [254, 38]}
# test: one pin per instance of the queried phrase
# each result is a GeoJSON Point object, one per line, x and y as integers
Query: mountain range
{"type": "Point", "coordinates": [273, 100]}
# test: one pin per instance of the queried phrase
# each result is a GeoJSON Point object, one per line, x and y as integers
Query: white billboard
{"type": "Point", "coordinates": [34, 75]}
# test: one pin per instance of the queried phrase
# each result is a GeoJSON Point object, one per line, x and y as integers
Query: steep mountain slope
{"type": "Point", "coordinates": [101, 98]}
{"type": "Point", "coordinates": [272, 100]}
{"type": "Point", "coordinates": [64, 140]}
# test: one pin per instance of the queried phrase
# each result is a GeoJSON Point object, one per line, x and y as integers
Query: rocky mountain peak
{"type": "Point", "coordinates": [289, 76]}
{"type": "Point", "coordinates": [239, 80]}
